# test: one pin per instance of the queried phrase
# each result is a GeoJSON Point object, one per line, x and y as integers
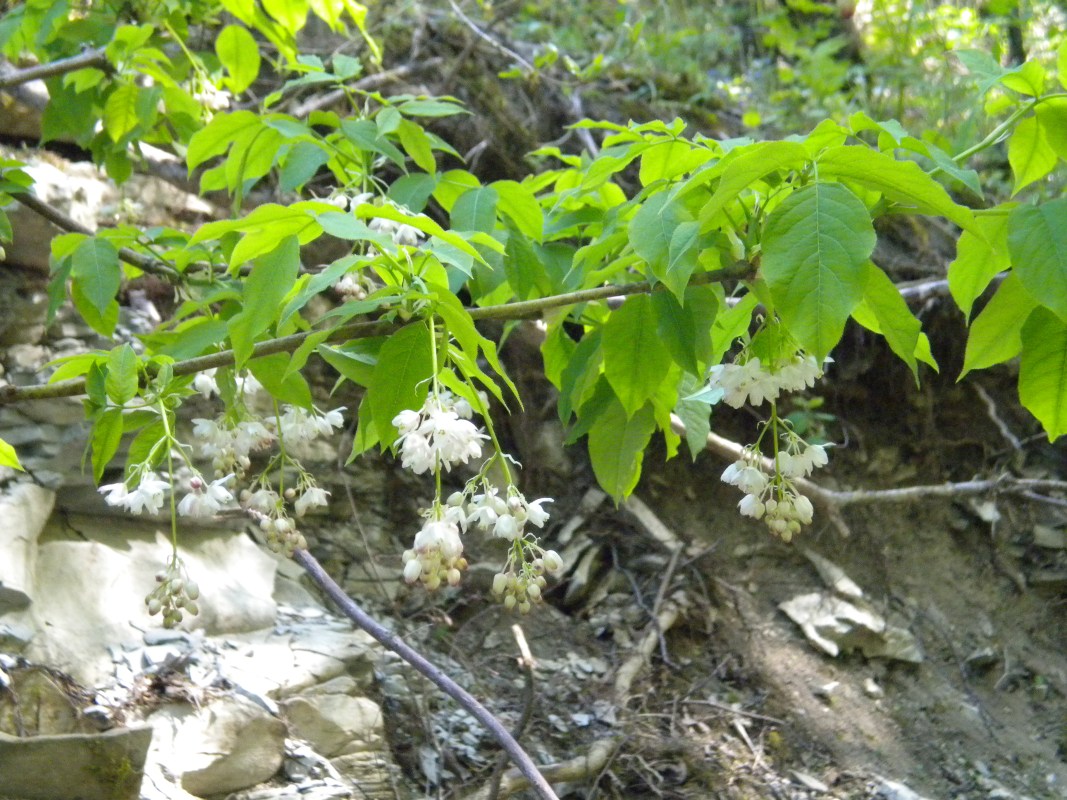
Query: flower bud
{"type": "Point", "coordinates": [154, 606]}
{"type": "Point", "coordinates": [192, 607]}
{"type": "Point", "coordinates": [412, 570]}
{"type": "Point", "coordinates": [534, 591]}
{"type": "Point", "coordinates": [524, 607]}
{"type": "Point", "coordinates": [552, 561]}
{"type": "Point", "coordinates": [509, 602]}
{"type": "Point", "coordinates": [192, 591]}
{"type": "Point", "coordinates": [433, 581]}
{"type": "Point", "coordinates": [500, 583]}
{"type": "Point", "coordinates": [454, 577]}
{"type": "Point", "coordinates": [290, 493]}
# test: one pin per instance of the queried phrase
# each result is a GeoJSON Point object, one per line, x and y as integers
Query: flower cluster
{"type": "Point", "coordinates": [520, 586]}
{"type": "Point", "coordinates": [773, 497]}
{"type": "Point", "coordinates": [148, 497]}
{"type": "Point", "coordinates": [172, 594]}
{"type": "Point", "coordinates": [436, 557]}
{"type": "Point", "coordinates": [401, 233]}
{"type": "Point", "coordinates": [439, 435]}
{"type": "Point", "coordinates": [229, 448]}
{"type": "Point", "coordinates": [504, 519]}
{"type": "Point", "coordinates": [754, 382]}
{"type": "Point", "coordinates": [205, 384]}
{"type": "Point", "coordinates": [205, 499]}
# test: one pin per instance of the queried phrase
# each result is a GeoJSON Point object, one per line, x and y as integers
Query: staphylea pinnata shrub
{"type": "Point", "coordinates": [733, 267]}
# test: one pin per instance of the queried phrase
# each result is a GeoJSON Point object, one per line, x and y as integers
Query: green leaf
{"type": "Point", "coordinates": [696, 416]}
{"type": "Point", "coordinates": [1037, 241]}
{"type": "Point", "coordinates": [753, 164]}
{"type": "Point", "coordinates": [96, 268]}
{"type": "Point", "coordinates": [431, 108]}
{"type": "Point", "coordinates": [122, 369]}
{"type": "Point", "coordinates": [107, 433]}
{"type": "Point", "coordinates": [364, 134]}
{"type": "Point", "coordinates": [635, 359]}
{"type": "Point", "coordinates": [405, 365]}
{"type": "Point", "coordinates": [884, 311]}
{"type": "Point", "coordinates": [979, 258]}
{"type": "Point", "coordinates": [144, 443]}
{"type": "Point", "coordinates": [1061, 64]}
{"type": "Point", "coordinates": [686, 329]}
{"type": "Point", "coordinates": [682, 261]}
{"type": "Point", "coordinates": [816, 247]}
{"type": "Point", "coordinates": [1043, 371]}
{"type": "Point", "coordinates": [901, 181]}
{"type": "Point", "coordinates": [617, 443]}
{"type": "Point", "coordinates": [218, 135]}
{"type": "Point", "coordinates": [270, 280]}
{"type": "Point", "coordinates": [288, 387]}
{"type": "Point", "coordinates": [120, 111]}
{"type": "Point", "coordinates": [475, 210]}
{"type": "Point", "coordinates": [1052, 117]}
{"type": "Point", "coordinates": [417, 144]}
{"type": "Point", "coordinates": [668, 158]}
{"type": "Point", "coordinates": [995, 335]}
{"type": "Point", "coordinates": [8, 456]}
{"type": "Point", "coordinates": [413, 191]}
{"type": "Point", "coordinates": [519, 204]}
{"type": "Point", "coordinates": [1030, 154]}
{"type": "Point", "coordinates": [354, 360]}
{"type": "Point", "coordinates": [301, 164]}
{"type": "Point", "coordinates": [651, 232]}
{"type": "Point", "coordinates": [239, 54]}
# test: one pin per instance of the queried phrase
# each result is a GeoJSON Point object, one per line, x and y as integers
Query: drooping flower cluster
{"type": "Point", "coordinates": [230, 448]}
{"type": "Point", "coordinates": [401, 233]}
{"type": "Point", "coordinates": [435, 438]}
{"type": "Point", "coordinates": [436, 556]}
{"type": "Point", "coordinates": [773, 496]}
{"type": "Point", "coordinates": [752, 381]}
{"type": "Point", "coordinates": [174, 593]}
{"type": "Point", "coordinates": [148, 497]}
{"type": "Point", "coordinates": [439, 435]}
{"type": "Point", "coordinates": [205, 499]}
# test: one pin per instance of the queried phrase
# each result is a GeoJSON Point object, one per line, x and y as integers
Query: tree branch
{"type": "Point", "coordinates": [524, 309]}
{"type": "Point", "coordinates": [9, 76]}
{"type": "Point", "coordinates": [831, 501]}
{"type": "Point", "coordinates": [132, 257]}
{"type": "Point", "coordinates": [390, 640]}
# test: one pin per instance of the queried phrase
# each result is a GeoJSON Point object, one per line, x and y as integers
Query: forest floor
{"type": "Point", "coordinates": [733, 700]}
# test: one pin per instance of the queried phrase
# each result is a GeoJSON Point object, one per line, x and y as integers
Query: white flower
{"type": "Point", "coordinates": [506, 527]}
{"type": "Point", "coordinates": [416, 454]}
{"type": "Point", "coordinates": [407, 234]}
{"type": "Point", "coordinates": [148, 496]}
{"type": "Point", "coordinates": [204, 382]}
{"type": "Point", "coordinates": [116, 493]}
{"type": "Point", "coordinates": [407, 421]}
{"type": "Point", "coordinates": [804, 509]}
{"type": "Point", "coordinates": [312, 497]}
{"type": "Point", "coordinates": [535, 514]}
{"type": "Point", "coordinates": [325, 423]}
{"type": "Point", "coordinates": [251, 435]}
{"type": "Point", "coordinates": [441, 537]}
{"type": "Point", "coordinates": [265, 501]}
{"type": "Point", "coordinates": [204, 499]}
{"type": "Point", "coordinates": [816, 456]}
{"type": "Point", "coordinates": [750, 506]}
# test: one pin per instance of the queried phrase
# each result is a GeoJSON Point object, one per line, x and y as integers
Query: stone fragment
{"type": "Point", "coordinates": [834, 624]}
{"type": "Point", "coordinates": [336, 724]}
{"type": "Point", "coordinates": [78, 766]}
{"type": "Point", "coordinates": [224, 746]}
{"type": "Point", "coordinates": [24, 509]}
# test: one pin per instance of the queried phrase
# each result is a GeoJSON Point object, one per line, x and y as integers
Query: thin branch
{"type": "Point", "coordinates": [575, 769]}
{"type": "Point", "coordinates": [832, 501]}
{"type": "Point", "coordinates": [10, 77]}
{"type": "Point", "coordinates": [368, 329]}
{"type": "Point", "coordinates": [364, 84]}
{"type": "Point", "coordinates": [131, 257]}
{"type": "Point", "coordinates": [393, 642]}
{"type": "Point", "coordinates": [526, 65]}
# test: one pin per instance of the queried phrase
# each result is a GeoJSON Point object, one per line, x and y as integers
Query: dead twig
{"type": "Point", "coordinates": [579, 768]}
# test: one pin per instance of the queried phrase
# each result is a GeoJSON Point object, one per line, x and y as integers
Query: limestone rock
{"type": "Point", "coordinates": [96, 589]}
{"type": "Point", "coordinates": [80, 766]}
{"type": "Point", "coordinates": [24, 509]}
{"type": "Point", "coordinates": [227, 745]}
{"type": "Point", "coordinates": [334, 722]}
